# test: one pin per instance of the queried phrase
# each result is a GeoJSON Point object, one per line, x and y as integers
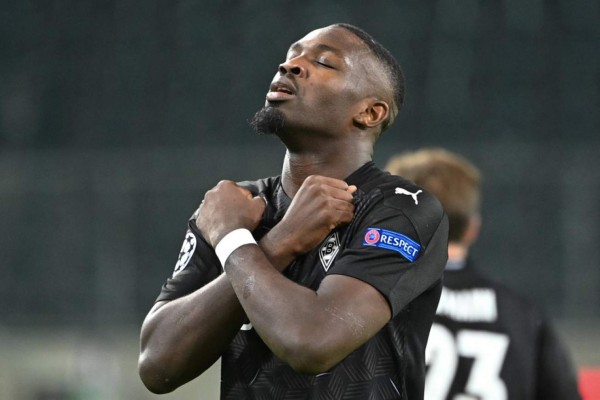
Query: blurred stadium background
{"type": "Point", "coordinates": [116, 117]}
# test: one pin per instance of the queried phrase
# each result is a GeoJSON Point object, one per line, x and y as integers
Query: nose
{"type": "Point", "coordinates": [291, 67]}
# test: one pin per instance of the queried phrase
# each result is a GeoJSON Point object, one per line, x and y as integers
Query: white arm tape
{"type": "Point", "coordinates": [231, 242]}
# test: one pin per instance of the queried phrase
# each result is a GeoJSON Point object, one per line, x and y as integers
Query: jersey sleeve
{"type": "Point", "coordinates": [400, 247]}
{"type": "Point", "coordinates": [557, 377]}
{"type": "Point", "coordinates": [196, 266]}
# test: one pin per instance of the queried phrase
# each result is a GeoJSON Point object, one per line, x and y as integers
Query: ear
{"type": "Point", "coordinates": [472, 231]}
{"type": "Point", "coordinates": [373, 112]}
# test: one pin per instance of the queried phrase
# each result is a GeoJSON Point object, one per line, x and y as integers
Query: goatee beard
{"type": "Point", "coordinates": [268, 120]}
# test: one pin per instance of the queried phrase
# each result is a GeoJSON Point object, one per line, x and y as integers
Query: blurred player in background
{"type": "Point", "coordinates": [320, 283]}
{"type": "Point", "coordinates": [487, 342]}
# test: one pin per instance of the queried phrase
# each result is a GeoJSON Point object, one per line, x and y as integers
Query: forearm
{"type": "Point", "coordinates": [184, 337]}
{"type": "Point", "coordinates": [297, 324]}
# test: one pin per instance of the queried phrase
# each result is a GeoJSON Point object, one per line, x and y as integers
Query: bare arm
{"type": "Point", "coordinates": [310, 330]}
{"type": "Point", "coordinates": [180, 339]}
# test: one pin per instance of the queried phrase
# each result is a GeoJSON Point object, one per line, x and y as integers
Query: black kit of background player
{"type": "Point", "coordinates": [487, 341]}
{"type": "Point", "coordinates": [505, 347]}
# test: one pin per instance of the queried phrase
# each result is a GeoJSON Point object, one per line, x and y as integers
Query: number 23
{"type": "Point", "coordinates": [443, 351]}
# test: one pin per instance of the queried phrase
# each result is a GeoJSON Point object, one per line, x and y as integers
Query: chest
{"type": "Point", "coordinates": [310, 269]}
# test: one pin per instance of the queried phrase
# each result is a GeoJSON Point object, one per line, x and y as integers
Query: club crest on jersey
{"type": "Point", "coordinates": [329, 250]}
{"type": "Point", "coordinates": [385, 239]}
{"type": "Point", "coordinates": [186, 252]}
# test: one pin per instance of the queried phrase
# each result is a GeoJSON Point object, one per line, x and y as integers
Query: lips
{"type": "Point", "coordinates": [281, 89]}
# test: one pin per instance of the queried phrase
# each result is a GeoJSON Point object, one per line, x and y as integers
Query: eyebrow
{"type": "Point", "coordinates": [320, 47]}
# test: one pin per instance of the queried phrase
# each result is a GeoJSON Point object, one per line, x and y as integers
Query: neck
{"type": "Point", "coordinates": [331, 161]}
{"type": "Point", "coordinates": [457, 251]}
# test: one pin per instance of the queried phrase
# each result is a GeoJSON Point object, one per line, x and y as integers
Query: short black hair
{"type": "Point", "coordinates": [392, 66]}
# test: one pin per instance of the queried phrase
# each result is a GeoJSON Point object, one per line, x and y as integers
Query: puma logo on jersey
{"type": "Point", "coordinates": [246, 327]}
{"type": "Point", "coordinates": [413, 195]}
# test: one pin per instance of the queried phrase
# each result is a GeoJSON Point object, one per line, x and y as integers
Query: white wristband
{"type": "Point", "coordinates": [231, 242]}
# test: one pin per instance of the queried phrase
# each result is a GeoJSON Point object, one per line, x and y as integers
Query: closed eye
{"type": "Point", "coordinates": [324, 64]}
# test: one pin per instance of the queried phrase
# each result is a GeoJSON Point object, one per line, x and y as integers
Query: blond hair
{"type": "Point", "coordinates": [450, 177]}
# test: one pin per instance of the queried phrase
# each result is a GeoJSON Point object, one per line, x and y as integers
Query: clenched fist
{"type": "Point", "coordinates": [320, 205]}
{"type": "Point", "coordinates": [227, 207]}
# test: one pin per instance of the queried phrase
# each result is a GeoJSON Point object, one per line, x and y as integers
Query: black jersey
{"type": "Point", "coordinates": [489, 343]}
{"type": "Point", "coordinates": [396, 242]}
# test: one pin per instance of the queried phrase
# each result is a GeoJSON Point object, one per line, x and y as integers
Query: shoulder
{"type": "Point", "coordinates": [264, 185]}
{"type": "Point", "coordinates": [510, 300]}
{"type": "Point", "coordinates": [402, 194]}
{"type": "Point", "coordinates": [516, 297]}
{"type": "Point", "coordinates": [392, 209]}
{"type": "Point", "coordinates": [403, 197]}
{"type": "Point", "coordinates": [261, 185]}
